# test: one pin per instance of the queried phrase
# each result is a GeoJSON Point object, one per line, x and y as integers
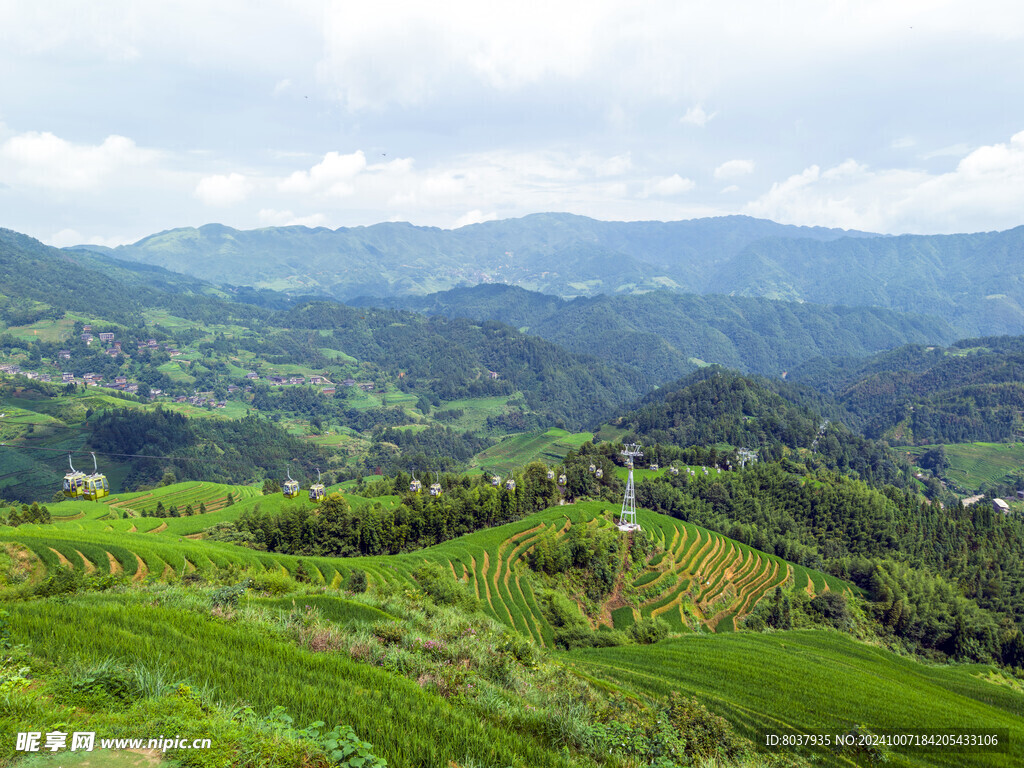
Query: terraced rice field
{"type": "Point", "coordinates": [517, 450]}
{"type": "Point", "coordinates": [971, 465]}
{"type": "Point", "coordinates": [700, 578]}
{"type": "Point", "coordinates": [707, 579]}
{"type": "Point", "coordinates": [818, 682]}
{"type": "Point", "coordinates": [213, 495]}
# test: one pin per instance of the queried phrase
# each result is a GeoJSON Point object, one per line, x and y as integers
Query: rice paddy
{"type": "Point", "coordinates": [701, 580]}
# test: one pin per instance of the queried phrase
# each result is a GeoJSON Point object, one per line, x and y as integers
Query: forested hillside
{"type": "Point", "coordinates": [971, 281]}
{"type": "Point", "coordinates": [553, 252]}
{"type": "Point", "coordinates": [715, 406]}
{"type": "Point", "coordinates": [664, 334]}
{"type": "Point", "coordinates": [970, 391]}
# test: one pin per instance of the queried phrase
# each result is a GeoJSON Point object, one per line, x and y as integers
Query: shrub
{"type": "Point", "coordinates": [521, 650]}
{"type": "Point", "coordinates": [271, 582]}
{"type": "Point", "coordinates": [832, 607]}
{"type": "Point", "coordinates": [61, 581]}
{"type": "Point", "coordinates": [356, 580]}
{"type": "Point", "coordinates": [442, 587]}
{"type": "Point", "coordinates": [388, 632]}
{"type": "Point", "coordinates": [649, 630]}
{"type": "Point", "coordinates": [228, 597]}
{"type": "Point", "coordinates": [706, 733]}
{"type": "Point", "coordinates": [574, 637]}
{"type": "Point", "coordinates": [560, 610]}
{"type": "Point", "coordinates": [609, 639]}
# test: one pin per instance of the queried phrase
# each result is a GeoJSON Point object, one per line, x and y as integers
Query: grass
{"type": "Point", "coordinates": [407, 725]}
{"type": "Point", "coordinates": [972, 465]}
{"type": "Point", "coordinates": [493, 557]}
{"type": "Point", "coordinates": [818, 682]}
{"type": "Point", "coordinates": [794, 682]}
{"type": "Point", "coordinates": [515, 451]}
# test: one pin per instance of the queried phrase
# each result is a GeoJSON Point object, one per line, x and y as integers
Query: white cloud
{"type": "Point", "coordinates": [984, 191]}
{"type": "Point", "coordinates": [68, 237]}
{"type": "Point", "coordinates": [475, 216]}
{"type": "Point", "coordinates": [45, 160]}
{"type": "Point", "coordinates": [734, 168]}
{"type": "Point", "coordinates": [333, 176]}
{"type": "Point", "coordinates": [223, 189]}
{"type": "Point", "coordinates": [729, 190]}
{"type": "Point", "coordinates": [953, 150]}
{"type": "Point", "coordinates": [273, 218]}
{"type": "Point", "coordinates": [668, 186]}
{"type": "Point", "coordinates": [697, 116]}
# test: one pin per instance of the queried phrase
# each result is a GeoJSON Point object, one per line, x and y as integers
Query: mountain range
{"type": "Point", "coordinates": [973, 281]}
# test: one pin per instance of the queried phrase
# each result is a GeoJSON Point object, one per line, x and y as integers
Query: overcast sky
{"type": "Point", "coordinates": [120, 119]}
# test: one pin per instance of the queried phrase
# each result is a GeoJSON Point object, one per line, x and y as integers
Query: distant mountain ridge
{"type": "Point", "coordinates": [552, 252]}
{"type": "Point", "coordinates": [974, 281]}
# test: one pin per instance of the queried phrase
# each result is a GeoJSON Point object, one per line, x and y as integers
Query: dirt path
{"type": "Point", "coordinates": [141, 570]}
{"type": "Point", "coordinates": [487, 587]}
{"type": "Point", "coordinates": [61, 559]}
{"type": "Point", "coordinates": [476, 582]}
{"type": "Point", "coordinates": [159, 529]}
{"type": "Point", "coordinates": [90, 568]}
{"type": "Point", "coordinates": [115, 567]}
{"type": "Point", "coordinates": [615, 599]}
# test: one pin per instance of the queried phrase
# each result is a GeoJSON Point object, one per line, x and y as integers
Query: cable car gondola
{"type": "Point", "coordinates": [317, 491]}
{"type": "Point", "coordinates": [510, 484]}
{"type": "Point", "coordinates": [415, 486]}
{"type": "Point", "coordinates": [561, 479]}
{"type": "Point", "coordinates": [593, 469]}
{"type": "Point", "coordinates": [551, 474]}
{"type": "Point", "coordinates": [74, 482]}
{"type": "Point", "coordinates": [291, 487]}
{"type": "Point", "coordinates": [96, 485]}
{"type": "Point", "coordinates": [599, 473]}
{"type": "Point", "coordinates": [495, 480]}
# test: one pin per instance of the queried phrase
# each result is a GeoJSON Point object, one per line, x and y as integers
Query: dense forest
{"type": "Point", "coordinates": [970, 391]}
{"type": "Point", "coordinates": [221, 450]}
{"type": "Point", "coordinates": [466, 503]}
{"type": "Point", "coordinates": [716, 406]}
{"type": "Point", "coordinates": [665, 334]}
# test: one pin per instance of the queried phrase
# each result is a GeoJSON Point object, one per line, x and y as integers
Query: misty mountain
{"type": "Point", "coordinates": [552, 252]}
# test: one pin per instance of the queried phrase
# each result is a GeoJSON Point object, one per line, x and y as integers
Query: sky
{"type": "Point", "coordinates": [121, 119]}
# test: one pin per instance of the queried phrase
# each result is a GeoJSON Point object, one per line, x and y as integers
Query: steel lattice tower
{"type": "Point", "coordinates": [627, 521]}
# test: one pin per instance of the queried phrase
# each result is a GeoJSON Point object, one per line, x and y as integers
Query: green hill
{"type": "Point", "coordinates": [702, 579]}
{"type": "Point", "coordinates": [813, 682]}
{"type": "Point", "coordinates": [552, 252]}
{"type": "Point", "coordinates": [969, 391]}
{"type": "Point", "coordinates": [429, 683]}
{"type": "Point", "coordinates": [665, 334]}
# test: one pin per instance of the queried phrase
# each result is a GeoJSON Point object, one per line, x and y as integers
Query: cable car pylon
{"type": "Point", "coordinates": [627, 520]}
